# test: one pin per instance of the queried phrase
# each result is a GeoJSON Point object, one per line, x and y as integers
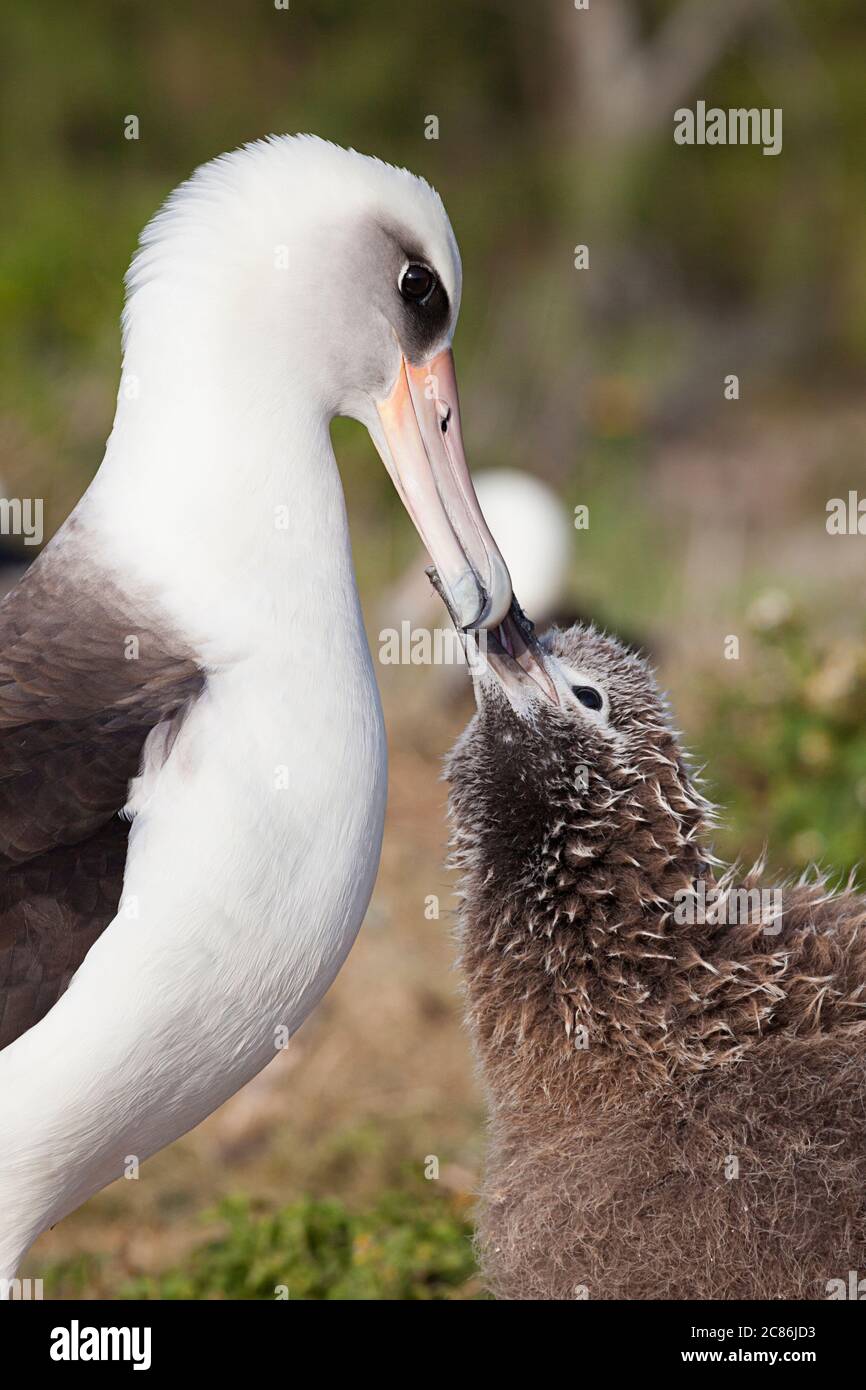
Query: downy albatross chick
{"type": "Point", "coordinates": [190, 647]}
{"type": "Point", "coordinates": [677, 1106]}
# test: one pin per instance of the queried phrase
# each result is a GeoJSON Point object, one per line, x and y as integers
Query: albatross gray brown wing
{"type": "Point", "coordinates": [86, 672]}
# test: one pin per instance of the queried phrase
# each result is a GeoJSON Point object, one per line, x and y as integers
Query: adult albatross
{"type": "Point", "coordinates": [189, 652]}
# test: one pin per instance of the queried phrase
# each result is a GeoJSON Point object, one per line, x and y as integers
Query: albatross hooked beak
{"type": "Point", "coordinates": [425, 458]}
{"type": "Point", "coordinates": [509, 653]}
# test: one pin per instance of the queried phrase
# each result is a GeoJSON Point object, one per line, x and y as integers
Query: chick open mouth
{"type": "Point", "coordinates": [509, 651]}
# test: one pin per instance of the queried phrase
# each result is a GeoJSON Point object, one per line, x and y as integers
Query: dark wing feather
{"type": "Point", "coordinates": [52, 909]}
{"type": "Point", "coordinates": [86, 671]}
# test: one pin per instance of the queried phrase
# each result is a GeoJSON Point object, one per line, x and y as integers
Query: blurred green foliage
{"type": "Point", "coordinates": [786, 747]}
{"type": "Point", "coordinates": [406, 1246]}
{"type": "Point", "coordinates": [688, 247]}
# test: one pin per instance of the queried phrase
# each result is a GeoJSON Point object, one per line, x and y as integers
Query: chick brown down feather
{"type": "Point", "coordinates": [677, 1098]}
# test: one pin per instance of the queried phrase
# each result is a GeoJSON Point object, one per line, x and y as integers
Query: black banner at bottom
{"type": "Point", "coordinates": [81, 1338]}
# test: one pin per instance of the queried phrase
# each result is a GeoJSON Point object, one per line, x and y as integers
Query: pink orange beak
{"type": "Point", "coordinates": [424, 455]}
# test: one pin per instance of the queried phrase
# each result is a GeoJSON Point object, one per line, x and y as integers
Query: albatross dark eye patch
{"type": "Point", "coordinates": [588, 696]}
{"type": "Point", "coordinates": [417, 283]}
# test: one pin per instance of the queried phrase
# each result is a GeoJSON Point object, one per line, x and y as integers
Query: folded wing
{"type": "Point", "coordinates": [87, 669]}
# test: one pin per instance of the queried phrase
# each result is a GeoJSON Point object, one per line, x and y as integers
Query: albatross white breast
{"type": "Point", "coordinates": [189, 650]}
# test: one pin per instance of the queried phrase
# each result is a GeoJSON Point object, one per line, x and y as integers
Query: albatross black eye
{"type": "Point", "coordinates": [588, 696]}
{"type": "Point", "coordinates": [417, 284]}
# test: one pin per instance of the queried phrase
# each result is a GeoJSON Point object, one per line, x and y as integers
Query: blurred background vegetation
{"type": "Point", "coordinates": [707, 516]}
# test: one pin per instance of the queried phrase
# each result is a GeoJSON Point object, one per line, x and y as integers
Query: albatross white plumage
{"type": "Point", "coordinates": [190, 647]}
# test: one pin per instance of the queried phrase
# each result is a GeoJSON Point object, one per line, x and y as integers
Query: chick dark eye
{"type": "Point", "coordinates": [588, 696]}
{"type": "Point", "coordinates": [417, 283]}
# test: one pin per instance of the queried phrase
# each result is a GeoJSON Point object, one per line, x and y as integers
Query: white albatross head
{"type": "Point", "coordinates": [294, 270]}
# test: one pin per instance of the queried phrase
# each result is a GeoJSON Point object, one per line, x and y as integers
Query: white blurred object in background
{"type": "Point", "coordinates": [534, 532]}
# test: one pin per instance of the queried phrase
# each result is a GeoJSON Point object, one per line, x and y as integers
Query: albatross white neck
{"type": "Point", "coordinates": [220, 489]}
